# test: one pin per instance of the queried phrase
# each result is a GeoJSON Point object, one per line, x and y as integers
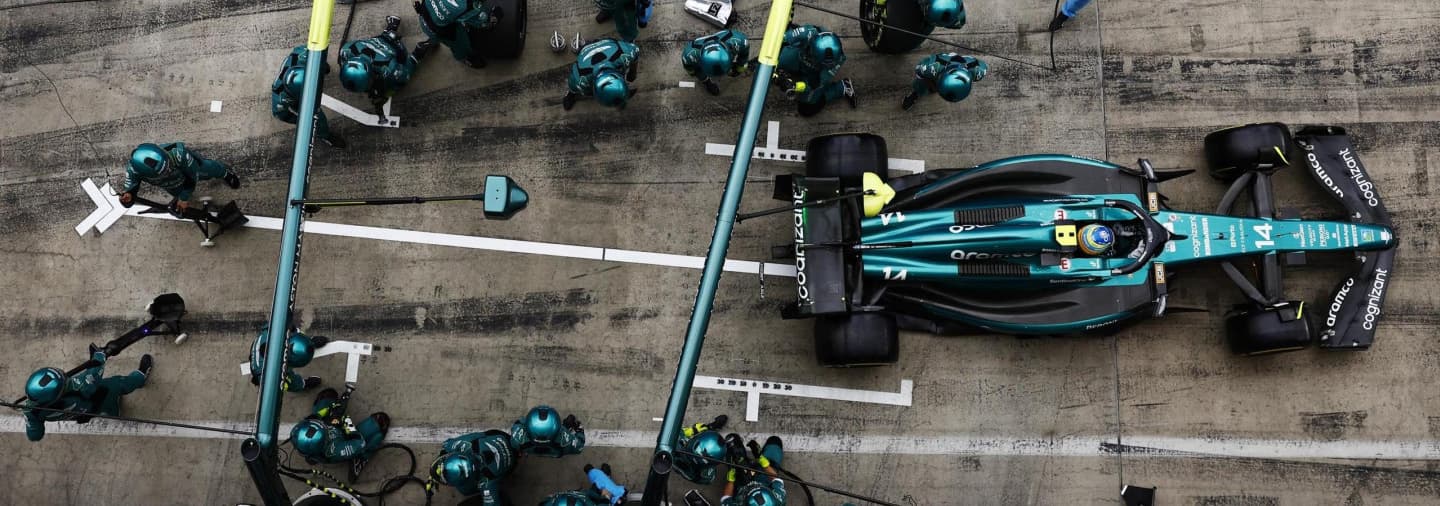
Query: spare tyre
{"type": "Point", "coordinates": [848, 157]}
{"type": "Point", "coordinates": [1232, 151]}
{"type": "Point", "coordinates": [856, 339]}
{"type": "Point", "coordinates": [902, 14]}
{"type": "Point", "coordinates": [507, 38]}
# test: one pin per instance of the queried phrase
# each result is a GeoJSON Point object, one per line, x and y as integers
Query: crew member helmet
{"type": "Point", "coordinates": [45, 386]}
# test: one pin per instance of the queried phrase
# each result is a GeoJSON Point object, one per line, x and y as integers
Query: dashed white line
{"type": "Point", "coordinates": [215, 105]}
{"type": "Point", "coordinates": [687, 84]}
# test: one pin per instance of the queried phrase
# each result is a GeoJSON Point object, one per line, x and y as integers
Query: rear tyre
{"type": "Point", "coordinates": [507, 38]}
{"type": "Point", "coordinates": [902, 14]}
{"type": "Point", "coordinates": [856, 339]}
{"type": "Point", "coordinates": [847, 156]}
{"type": "Point", "coordinates": [1232, 151]}
{"type": "Point", "coordinates": [1257, 330]}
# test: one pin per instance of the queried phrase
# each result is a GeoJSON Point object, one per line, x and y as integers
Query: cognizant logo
{"type": "Point", "coordinates": [1372, 303]}
{"type": "Point", "coordinates": [1361, 181]}
{"type": "Point", "coordinates": [798, 196]}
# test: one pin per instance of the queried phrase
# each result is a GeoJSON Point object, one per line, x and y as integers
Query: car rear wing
{"type": "Point", "coordinates": [1355, 307]}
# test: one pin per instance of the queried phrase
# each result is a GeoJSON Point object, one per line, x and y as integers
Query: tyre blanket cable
{"type": "Point", "coordinates": [921, 35]}
{"type": "Point", "coordinates": [388, 486]}
{"type": "Point", "coordinates": [802, 483]}
{"type": "Point", "coordinates": [127, 419]}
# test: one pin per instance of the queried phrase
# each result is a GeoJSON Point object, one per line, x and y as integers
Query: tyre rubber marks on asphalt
{"type": "Point", "coordinates": [772, 151]}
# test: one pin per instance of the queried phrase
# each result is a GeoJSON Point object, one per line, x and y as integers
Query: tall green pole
{"type": "Point", "coordinates": [260, 453]}
{"type": "Point", "coordinates": [664, 458]}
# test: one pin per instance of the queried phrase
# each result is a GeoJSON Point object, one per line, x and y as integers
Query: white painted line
{"type": "Point", "coordinates": [102, 207]}
{"type": "Point", "coordinates": [687, 84]}
{"type": "Point", "coordinates": [215, 106]}
{"type": "Point", "coordinates": [953, 444]}
{"type": "Point", "coordinates": [657, 419]}
{"type": "Point", "coordinates": [351, 349]}
{"type": "Point", "coordinates": [491, 244]}
{"type": "Point", "coordinates": [772, 151]}
{"type": "Point", "coordinates": [719, 149]}
{"type": "Point", "coordinates": [116, 210]}
{"type": "Point", "coordinates": [756, 387]}
{"type": "Point", "coordinates": [362, 117]}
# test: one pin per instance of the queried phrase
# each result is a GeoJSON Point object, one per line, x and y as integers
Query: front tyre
{"type": "Point", "coordinates": [1260, 330]}
{"type": "Point", "coordinates": [1235, 150]}
{"type": "Point", "coordinates": [856, 339]}
{"type": "Point", "coordinates": [848, 157]}
{"type": "Point", "coordinates": [506, 39]}
{"type": "Point", "coordinates": [903, 14]}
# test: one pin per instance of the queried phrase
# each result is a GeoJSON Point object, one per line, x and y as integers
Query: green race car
{"type": "Point", "coordinates": [1061, 245]}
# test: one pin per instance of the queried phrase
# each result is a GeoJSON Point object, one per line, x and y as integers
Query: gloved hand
{"type": "Point", "coordinates": [127, 199]}
{"type": "Point", "coordinates": [573, 423]}
{"type": "Point", "coordinates": [754, 448]}
{"type": "Point", "coordinates": [348, 424]}
{"type": "Point", "coordinates": [735, 449]}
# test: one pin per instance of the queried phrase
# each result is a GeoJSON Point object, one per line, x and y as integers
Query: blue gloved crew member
{"type": "Point", "coordinates": [1067, 11]}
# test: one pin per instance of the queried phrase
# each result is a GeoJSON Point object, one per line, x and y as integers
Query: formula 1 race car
{"type": "Point", "coordinates": [1063, 245]}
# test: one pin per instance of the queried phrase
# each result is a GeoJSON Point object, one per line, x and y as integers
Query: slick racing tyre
{"type": "Point", "coordinates": [902, 14]}
{"type": "Point", "coordinates": [506, 39]}
{"type": "Point", "coordinates": [1232, 151]}
{"type": "Point", "coordinates": [847, 156]}
{"type": "Point", "coordinates": [1261, 330]}
{"type": "Point", "coordinates": [856, 339]}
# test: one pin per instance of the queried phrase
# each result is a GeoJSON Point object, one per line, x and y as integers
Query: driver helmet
{"type": "Point", "coordinates": [610, 89]}
{"type": "Point", "coordinates": [149, 160]}
{"type": "Point", "coordinates": [543, 423]}
{"type": "Point", "coordinates": [309, 437]}
{"type": "Point", "coordinates": [45, 386]}
{"type": "Point", "coordinates": [955, 84]}
{"type": "Point", "coordinates": [945, 13]}
{"type": "Point", "coordinates": [825, 49]}
{"type": "Point", "coordinates": [1096, 239]}
{"type": "Point", "coordinates": [715, 59]}
{"type": "Point", "coordinates": [355, 74]}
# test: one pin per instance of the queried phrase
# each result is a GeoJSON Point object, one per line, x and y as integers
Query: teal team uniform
{"type": "Point", "coordinates": [177, 174]}
{"type": "Point", "coordinates": [457, 24]}
{"type": "Point", "coordinates": [810, 61]}
{"type": "Point", "coordinates": [84, 392]}
{"type": "Point", "coordinates": [286, 92]}
{"type": "Point", "coordinates": [726, 52]}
